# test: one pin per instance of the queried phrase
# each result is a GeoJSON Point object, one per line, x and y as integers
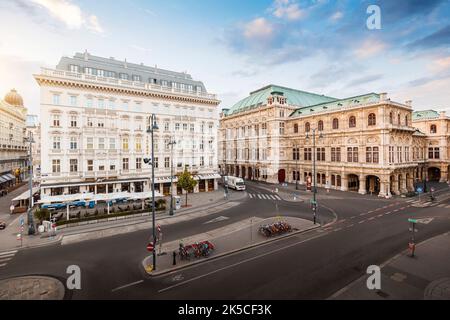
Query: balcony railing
{"type": "Point", "coordinates": [125, 83]}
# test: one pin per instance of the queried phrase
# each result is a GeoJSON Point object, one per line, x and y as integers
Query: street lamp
{"type": "Point", "coordinates": [297, 155]}
{"type": "Point", "coordinates": [171, 144]}
{"type": "Point", "coordinates": [314, 203]}
{"type": "Point", "coordinates": [151, 129]}
{"type": "Point", "coordinates": [31, 228]}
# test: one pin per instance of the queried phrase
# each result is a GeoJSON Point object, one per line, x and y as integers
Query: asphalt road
{"type": "Point", "coordinates": [312, 265]}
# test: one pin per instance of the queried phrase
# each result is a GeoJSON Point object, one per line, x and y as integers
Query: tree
{"type": "Point", "coordinates": [186, 182]}
{"type": "Point", "coordinates": [42, 214]}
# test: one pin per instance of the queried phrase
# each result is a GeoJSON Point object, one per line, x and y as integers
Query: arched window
{"type": "Point", "coordinates": [391, 118]}
{"type": "Point", "coordinates": [433, 128]}
{"type": "Point", "coordinates": [406, 120]}
{"type": "Point", "coordinates": [352, 122]}
{"type": "Point", "coordinates": [335, 123]}
{"type": "Point", "coordinates": [307, 127]}
{"type": "Point", "coordinates": [320, 125]}
{"type": "Point", "coordinates": [398, 120]}
{"type": "Point", "coordinates": [372, 119]}
{"type": "Point", "coordinates": [295, 128]}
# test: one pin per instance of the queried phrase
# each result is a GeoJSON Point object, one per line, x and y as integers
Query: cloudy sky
{"type": "Point", "coordinates": [237, 46]}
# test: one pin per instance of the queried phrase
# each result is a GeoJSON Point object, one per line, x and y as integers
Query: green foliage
{"type": "Point", "coordinates": [42, 214]}
{"type": "Point", "coordinates": [186, 182]}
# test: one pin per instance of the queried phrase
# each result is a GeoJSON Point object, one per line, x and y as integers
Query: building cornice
{"type": "Point", "coordinates": [81, 83]}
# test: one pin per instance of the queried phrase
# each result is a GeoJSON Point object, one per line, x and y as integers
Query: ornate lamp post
{"type": "Point", "coordinates": [314, 202]}
{"type": "Point", "coordinates": [171, 144]}
{"type": "Point", "coordinates": [31, 228]}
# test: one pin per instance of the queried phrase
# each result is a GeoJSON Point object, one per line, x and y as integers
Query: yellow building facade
{"type": "Point", "coordinates": [366, 143]}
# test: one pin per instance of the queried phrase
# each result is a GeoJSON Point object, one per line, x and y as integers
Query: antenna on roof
{"type": "Point", "coordinates": [86, 54]}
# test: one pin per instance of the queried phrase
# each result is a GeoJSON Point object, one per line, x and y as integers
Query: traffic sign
{"type": "Point", "coordinates": [412, 220]}
{"type": "Point", "coordinates": [150, 247]}
{"type": "Point", "coordinates": [22, 221]}
{"type": "Point", "coordinates": [419, 190]}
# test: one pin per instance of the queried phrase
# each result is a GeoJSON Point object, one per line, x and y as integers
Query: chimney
{"type": "Point", "coordinates": [383, 96]}
{"type": "Point", "coordinates": [408, 103]}
{"type": "Point", "coordinates": [442, 115]}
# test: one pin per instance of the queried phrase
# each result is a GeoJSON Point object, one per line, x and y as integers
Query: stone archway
{"type": "Point", "coordinates": [373, 184]}
{"type": "Point", "coordinates": [281, 176]}
{"type": "Point", "coordinates": [434, 174]}
{"type": "Point", "coordinates": [243, 172]}
{"type": "Point", "coordinates": [250, 173]}
{"type": "Point", "coordinates": [353, 182]}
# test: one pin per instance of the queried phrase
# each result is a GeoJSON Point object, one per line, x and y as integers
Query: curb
{"type": "Point", "coordinates": [158, 273]}
{"type": "Point", "coordinates": [385, 263]}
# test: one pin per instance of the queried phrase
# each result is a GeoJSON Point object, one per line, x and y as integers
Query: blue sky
{"type": "Point", "coordinates": [235, 47]}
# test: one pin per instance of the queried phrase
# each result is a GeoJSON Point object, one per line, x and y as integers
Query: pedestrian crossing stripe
{"type": "Point", "coordinates": [250, 195]}
{"type": "Point", "coordinates": [264, 196]}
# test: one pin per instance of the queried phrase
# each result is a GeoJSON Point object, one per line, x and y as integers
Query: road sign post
{"type": "Point", "coordinates": [412, 243]}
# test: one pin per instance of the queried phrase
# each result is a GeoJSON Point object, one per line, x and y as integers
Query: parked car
{"type": "Point", "coordinates": [2, 225]}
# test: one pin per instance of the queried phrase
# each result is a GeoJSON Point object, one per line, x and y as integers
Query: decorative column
{"type": "Point", "coordinates": [395, 185]}
{"type": "Point", "coordinates": [344, 181]}
{"type": "Point", "coordinates": [403, 188]}
{"type": "Point", "coordinates": [362, 184]}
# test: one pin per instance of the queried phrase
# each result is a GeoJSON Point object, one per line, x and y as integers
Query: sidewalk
{"type": "Point", "coordinates": [203, 204]}
{"type": "Point", "coordinates": [5, 203]}
{"type": "Point", "coordinates": [226, 240]}
{"type": "Point", "coordinates": [426, 276]}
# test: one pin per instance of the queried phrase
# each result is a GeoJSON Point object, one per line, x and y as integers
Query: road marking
{"type": "Point", "coordinates": [127, 285]}
{"type": "Point", "coordinates": [343, 220]}
{"type": "Point", "coordinates": [218, 219]}
{"type": "Point", "coordinates": [395, 210]}
{"type": "Point", "coordinates": [441, 206]}
{"type": "Point", "coordinates": [361, 221]}
{"type": "Point", "coordinates": [278, 198]}
{"type": "Point", "coordinates": [403, 208]}
{"type": "Point", "coordinates": [389, 212]}
{"type": "Point", "coordinates": [338, 229]}
{"type": "Point", "coordinates": [447, 207]}
{"type": "Point", "coordinates": [370, 219]}
{"type": "Point", "coordinates": [259, 196]}
{"type": "Point", "coordinates": [363, 214]}
{"type": "Point", "coordinates": [250, 195]}
{"type": "Point", "coordinates": [380, 215]}
{"type": "Point", "coordinates": [7, 256]}
{"type": "Point", "coordinates": [8, 253]}
{"type": "Point", "coordinates": [351, 225]}
{"type": "Point", "coordinates": [239, 263]}
{"type": "Point", "coordinates": [2, 265]}
{"type": "Point", "coordinates": [4, 260]}
{"type": "Point", "coordinates": [370, 211]}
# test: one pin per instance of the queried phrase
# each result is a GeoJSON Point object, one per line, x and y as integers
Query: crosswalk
{"type": "Point", "coordinates": [264, 196]}
{"type": "Point", "coordinates": [6, 256]}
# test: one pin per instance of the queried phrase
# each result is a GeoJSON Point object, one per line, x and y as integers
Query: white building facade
{"type": "Point", "coordinates": [94, 118]}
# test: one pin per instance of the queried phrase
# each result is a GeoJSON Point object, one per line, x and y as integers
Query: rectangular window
{"type": "Point", "coordinates": [73, 165]}
{"type": "Point", "coordinates": [177, 126]}
{"type": "Point", "coordinates": [125, 164]}
{"type": "Point", "coordinates": [56, 99]}
{"type": "Point", "coordinates": [112, 143]}
{"type": "Point", "coordinates": [56, 143]}
{"type": "Point", "coordinates": [138, 144]}
{"type": "Point", "coordinates": [156, 162]}
{"type": "Point", "coordinates": [89, 102]}
{"type": "Point", "coordinates": [202, 161]}
{"type": "Point", "coordinates": [56, 165]}
{"type": "Point", "coordinates": [355, 154]}
{"type": "Point", "coordinates": [73, 121]}
{"type": "Point", "coordinates": [136, 78]}
{"type": "Point", "coordinates": [123, 76]}
{"type": "Point", "coordinates": [125, 144]}
{"type": "Point", "coordinates": [369, 154]}
{"type": "Point", "coordinates": [90, 143]}
{"type": "Point", "coordinates": [74, 68]}
{"type": "Point", "coordinates": [166, 162]}
{"type": "Point", "coordinates": [90, 165]}
{"type": "Point", "coordinates": [73, 101]}
{"type": "Point", "coordinates": [56, 120]}
{"type": "Point", "coordinates": [101, 143]}
{"type": "Point", "coordinates": [101, 103]}
{"type": "Point", "coordinates": [73, 143]}
{"type": "Point", "coordinates": [166, 126]}
{"type": "Point", "coordinates": [349, 154]}
{"type": "Point", "coordinates": [281, 127]}
{"type": "Point", "coordinates": [138, 163]}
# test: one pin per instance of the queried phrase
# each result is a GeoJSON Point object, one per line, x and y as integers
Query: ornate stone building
{"type": "Point", "coordinates": [365, 143]}
{"type": "Point", "coordinates": [436, 126]}
{"type": "Point", "coordinates": [13, 149]}
{"type": "Point", "coordinates": [94, 118]}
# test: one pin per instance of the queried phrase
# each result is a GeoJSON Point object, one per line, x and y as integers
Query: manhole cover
{"type": "Point", "coordinates": [438, 290]}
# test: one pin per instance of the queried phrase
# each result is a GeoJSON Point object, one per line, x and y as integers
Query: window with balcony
{"type": "Point", "coordinates": [73, 165]}
{"type": "Point", "coordinates": [123, 76]}
{"type": "Point", "coordinates": [136, 78]}
{"type": "Point", "coordinates": [56, 165]}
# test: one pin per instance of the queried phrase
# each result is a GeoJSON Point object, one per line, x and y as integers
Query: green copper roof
{"type": "Point", "coordinates": [337, 104]}
{"type": "Point", "coordinates": [294, 98]}
{"type": "Point", "coordinates": [425, 114]}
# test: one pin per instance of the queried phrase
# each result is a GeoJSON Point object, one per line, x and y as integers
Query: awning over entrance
{"type": "Point", "coordinates": [209, 176]}
{"type": "Point", "coordinates": [165, 179]}
{"type": "Point", "coordinates": [98, 197]}
{"type": "Point", "coordinates": [26, 194]}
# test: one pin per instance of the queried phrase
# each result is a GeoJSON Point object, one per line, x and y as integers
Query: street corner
{"type": "Point", "coordinates": [31, 288]}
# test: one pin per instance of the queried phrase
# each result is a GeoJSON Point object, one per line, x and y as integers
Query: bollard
{"type": "Point", "coordinates": [174, 258]}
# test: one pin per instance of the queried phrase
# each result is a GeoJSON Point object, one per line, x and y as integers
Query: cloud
{"type": "Point", "coordinates": [370, 48]}
{"type": "Point", "coordinates": [392, 11]}
{"type": "Point", "coordinates": [365, 79]}
{"type": "Point", "coordinates": [287, 9]}
{"type": "Point", "coordinates": [259, 29]}
{"type": "Point", "coordinates": [440, 38]}
{"type": "Point", "coordinates": [338, 15]}
{"type": "Point", "coordinates": [70, 14]}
